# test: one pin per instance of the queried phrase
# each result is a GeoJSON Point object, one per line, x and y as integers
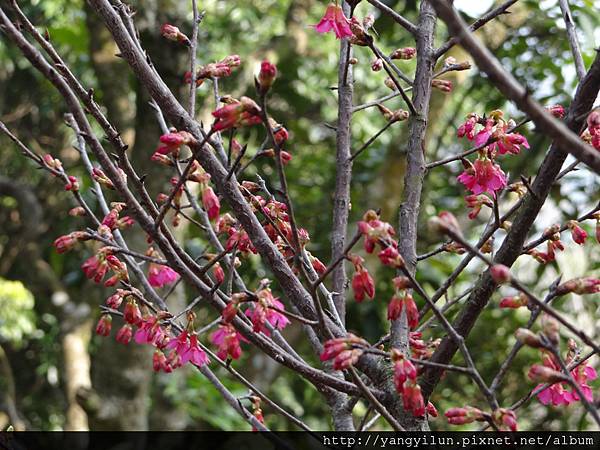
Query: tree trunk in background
{"type": "Point", "coordinates": [126, 386]}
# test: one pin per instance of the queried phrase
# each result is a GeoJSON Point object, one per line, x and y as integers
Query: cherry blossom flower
{"type": "Point", "coordinates": [266, 76]}
{"type": "Point", "coordinates": [211, 203]}
{"type": "Point", "coordinates": [334, 19]}
{"type": "Point", "coordinates": [265, 309]}
{"type": "Point", "coordinates": [193, 353]}
{"type": "Point", "coordinates": [510, 143]}
{"type": "Point", "coordinates": [159, 275]}
{"type": "Point", "coordinates": [104, 325]}
{"type": "Point", "coordinates": [124, 334]}
{"type": "Point", "coordinates": [578, 234]}
{"type": "Point", "coordinates": [412, 399]}
{"type": "Point", "coordinates": [483, 176]}
{"type": "Point", "coordinates": [362, 284]}
{"type": "Point", "coordinates": [398, 303]}
{"type": "Point", "coordinates": [132, 313]}
{"type": "Point", "coordinates": [227, 339]}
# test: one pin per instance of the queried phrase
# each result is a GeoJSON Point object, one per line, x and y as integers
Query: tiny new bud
{"type": "Point", "coordinates": [77, 211]}
{"type": "Point", "coordinates": [543, 374]}
{"type": "Point", "coordinates": [172, 33]}
{"type": "Point", "coordinates": [557, 111]}
{"type": "Point", "coordinates": [104, 325]}
{"type": "Point", "coordinates": [528, 338]}
{"type": "Point", "coordinates": [580, 286]}
{"type": "Point", "coordinates": [578, 234]}
{"type": "Point", "coordinates": [404, 53]}
{"type": "Point", "coordinates": [377, 65]}
{"type": "Point", "coordinates": [353, 61]}
{"type": "Point", "coordinates": [266, 76]}
{"type": "Point", "coordinates": [442, 85]}
{"type": "Point", "coordinates": [551, 328]}
{"type": "Point", "coordinates": [500, 273]}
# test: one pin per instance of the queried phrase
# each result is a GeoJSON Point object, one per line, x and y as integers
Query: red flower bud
{"type": "Point", "coordinates": [580, 286]}
{"type": "Point", "coordinates": [377, 65]}
{"type": "Point", "coordinates": [218, 273]}
{"type": "Point", "coordinates": [104, 325]}
{"type": "Point", "coordinates": [404, 53]}
{"type": "Point", "coordinates": [172, 33]}
{"type": "Point", "coordinates": [500, 273]}
{"type": "Point", "coordinates": [211, 203]}
{"type": "Point", "coordinates": [578, 234]}
{"type": "Point", "coordinates": [124, 334]}
{"type": "Point", "coordinates": [266, 76]}
{"type": "Point", "coordinates": [132, 313]}
{"type": "Point", "coordinates": [543, 374]}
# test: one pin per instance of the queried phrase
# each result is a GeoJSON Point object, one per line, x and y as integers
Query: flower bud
{"type": "Point", "coordinates": [500, 273]}
{"type": "Point", "coordinates": [551, 328]}
{"type": "Point", "coordinates": [514, 302]}
{"type": "Point", "coordinates": [557, 111]}
{"type": "Point", "coordinates": [543, 374]}
{"type": "Point", "coordinates": [124, 334]}
{"type": "Point", "coordinates": [77, 211]}
{"type": "Point", "coordinates": [104, 325]}
{"type": "Point", "coordinates": [172, 33]}
{"type": "Point", "coordinates": [580, 286]}
{"type": "Point", "coordinates": [266, 76]}
{"type": "Point", "coordinates": [404, 53]}
{"type": "Point", "coordinates": [529, 338]}
{"type": "Point", "coordinates": [578, 234]}
{"type": "Point", "coordinates": [377, 65]}
{"type": "Point", "coordinates": [442, 85]}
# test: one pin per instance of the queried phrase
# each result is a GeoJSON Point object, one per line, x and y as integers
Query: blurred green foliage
{"type": "Point", "coordinates": [17, 317]}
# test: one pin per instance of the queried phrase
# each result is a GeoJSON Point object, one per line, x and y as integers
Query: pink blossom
{"type": "Point", "coordinates": [104, 325]}
{"type": "Point", "coordinates": [265, 309]}
{"type": "Point", "coordinates": [363, 284]}
{"type": "Point", "coordinates": [211, 203]}
{"type": "Point", "coordinates": [511, 143]}
{"type": "Point", "coordinates": [578, 234]}
{"type": "Point", "coordinates": [483, 176]}
{"type": "Point", "coordinates": [412, 398]}
{"type": "Point", "coordinates": [193, 353]}
{"type": "Point", "coordinates": [159, 275]}
{"type": "Point", "coordinates": [227, 339]}
{"type": "Point", "coordinates": [124, 334]}
{"type": "Point", "coordinates": [334, 19]}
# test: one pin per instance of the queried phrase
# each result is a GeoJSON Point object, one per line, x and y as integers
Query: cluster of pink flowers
{"type": "Point", "coordinates": [493, 135]}
{"type": "Point", "coordinates": [344, 351]}
{"type": "Point", "coordinates": [405, 380]}
{"type": "Point", "coordinates": [171, 352]}
{"type": "Point", "coordinates": [554, 242]}
{"type": "Point", "coordinates": [558, 393]}
{"type": "Point", "coordinates": [403, 300]}
{"type": "Point", "coordinates": [236, 114]}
